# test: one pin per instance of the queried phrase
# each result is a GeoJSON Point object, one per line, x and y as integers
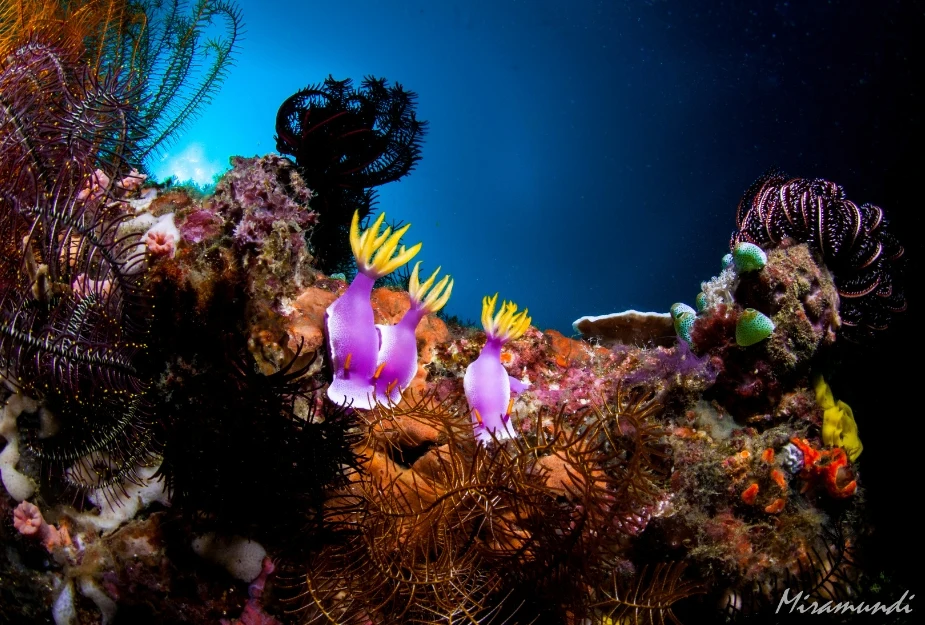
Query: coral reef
{"type": "Point", "coordinates": [73, 309]}
{"type": "Point", "coordinates": [795, 315]}
{"type": "Point", "coordinates": [200, 425]}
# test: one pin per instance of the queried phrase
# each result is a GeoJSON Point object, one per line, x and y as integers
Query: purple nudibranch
{"type": "Point", "coordinates": [397, 362]}
{"type": "Point", "coordinates": [488, 386]}
{"type": "Point", "coordinates": [375, 363]}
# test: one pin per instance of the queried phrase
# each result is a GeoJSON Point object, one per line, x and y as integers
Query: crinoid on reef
{"type": "Point", "coordinates": [346, 141]}
{"type": "Point", "coordinates": [825, 570]}
{"type": "Point", "coordinates": [80, 115]}
{"type": "Point", "coordinates": [854, 242]}
{"type": "Point", "coordinates": [232, 433]}
{"type": "Point", "coordinates": [439, 528]}
{"type": "Point", "coordinates": [73, 311]}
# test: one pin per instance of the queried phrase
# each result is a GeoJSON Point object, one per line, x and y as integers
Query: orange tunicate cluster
{"type": "Point", "coordinates": [830, 467]}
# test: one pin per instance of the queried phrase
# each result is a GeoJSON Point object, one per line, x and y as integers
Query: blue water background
{"type": "Point", "coordinates": [583, 157]}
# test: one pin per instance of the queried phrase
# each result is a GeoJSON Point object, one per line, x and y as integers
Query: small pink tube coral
{"type": "Point", "coordinates": [132, 181]}
{"type": "Point", "coordinates": [28, 521]}
{"type": "Point", "coordinates": [161, 238]}
{"type": "Point", "coordinates": [95, 187]}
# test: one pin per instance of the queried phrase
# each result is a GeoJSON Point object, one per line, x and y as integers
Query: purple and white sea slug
{"type": "Point", "coordinates": [397, 363]}
{"type": "Point", "coordinates": [488, 386]}
{"type": "Point", "coordinates": [353, 339]}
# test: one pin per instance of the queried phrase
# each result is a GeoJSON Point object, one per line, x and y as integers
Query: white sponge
{"type": "Point", "coordinates": [18, 485]}
{"type": "Point", "coordinates": [242, 558]}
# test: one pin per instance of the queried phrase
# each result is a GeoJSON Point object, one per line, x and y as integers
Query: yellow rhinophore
{"type": "Point", "coordinates": [508, 324]}
{"type": "Point", "coordinates": [438, 296]}
{"type": "Point", "coordinates": [839, 429]}
{"type": "Point", "coordinates": [375, 253]}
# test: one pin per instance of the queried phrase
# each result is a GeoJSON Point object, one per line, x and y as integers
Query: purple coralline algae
{"type": "Point", "coordinates": [264, 197]}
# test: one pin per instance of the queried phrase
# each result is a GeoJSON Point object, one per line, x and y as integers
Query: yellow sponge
{"type": "Point", "coordinates": [839, 429]}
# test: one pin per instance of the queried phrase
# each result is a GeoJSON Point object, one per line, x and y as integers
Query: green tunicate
{"type": "Point", "coordinates": [701, 301]}
{"type": "Point", "coordinates": [683, 317]}
{"type": "Point", "coordinates": [749, 257]}
{"type": "Point", "coordinates": [753, 327]}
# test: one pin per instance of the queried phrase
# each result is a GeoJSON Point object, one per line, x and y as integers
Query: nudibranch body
{"type": "Point", "coordinates": [353, 339]}
{"type": "Point", "coordinates": [487, 384]}
{"type": "Point", "coordinates": [397, 362]}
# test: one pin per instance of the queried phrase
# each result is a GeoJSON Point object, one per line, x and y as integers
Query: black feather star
{"type": "Point", "coordinates": [347, 141]}
{"type": "Point", "coordinates": [233, 434]}
{"type": "Point", "coordinates": [854, 242]}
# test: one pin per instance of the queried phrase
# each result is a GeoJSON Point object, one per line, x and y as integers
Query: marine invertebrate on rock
{"type": "Point", "coordinates": [648, 597]}
{"type": "Point", "coordinates": [701, 302]}
{"type": "Point", "coordinates": [397, 360]}
{"type": "Point", "coordinates": [853, 240]}
{"type": "Point", "coordinates": [749, 257]}
{"type": "Point", "coordinates": [260, 197]}
{"type": "Point", "coordinates": [28, 521]}
{"type": "Point", "coordinates": [253, 613]}
{"type": "Point", "coordinates": [155, 49]}
{"type": "Point", "coordinates": [839, 429]}
{"type": "Point", "coordinates": [91, 27]}
{"type": "Point", "coordinates": [488, 386]}
{"type": "Point", "coordinates": [676, 374]}
{"type": "Point", "coordinates": [231, 433]}
{"type": "Point", "coordinates": [828, 468]}
{"type": "Point", "coordinates": [753, 327]}
{"type": "Point", "coordinates": [719, 289]}
{"type": "Point", "coordinates": [683, 317]}
{"type": "Point", "coordinates": [346, 141]}
{"type": "Point", "coordinates": [792, 458]}
{"type": "Point", "coordinates": [175, 69]}
{"type": "Point", "coordinates": [800, 296]}
{"type": "Point", "coordinates": [353, 339]}
{"type": "Point", "coordinates": [162, 237]}
{"type": "Point", "coordinates": [73, 309]}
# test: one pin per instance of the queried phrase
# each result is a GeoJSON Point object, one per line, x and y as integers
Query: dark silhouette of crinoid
{"type": "Point", "coordinates": [73, 311]}
{"type": "Point", "coordinates": [347, 141]}
{"type": "Point", "coordinates": [854, 242]}
{"type": "Point", "coordinates": [446, 529]}
{"type": "Point", "coordinates": [645, 598]}
{"type": "Point", "coordinates": [248, 452]}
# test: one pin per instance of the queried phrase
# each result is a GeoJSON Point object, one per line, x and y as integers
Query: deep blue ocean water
{"type": "Point", "coordinates": [586, 157]}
